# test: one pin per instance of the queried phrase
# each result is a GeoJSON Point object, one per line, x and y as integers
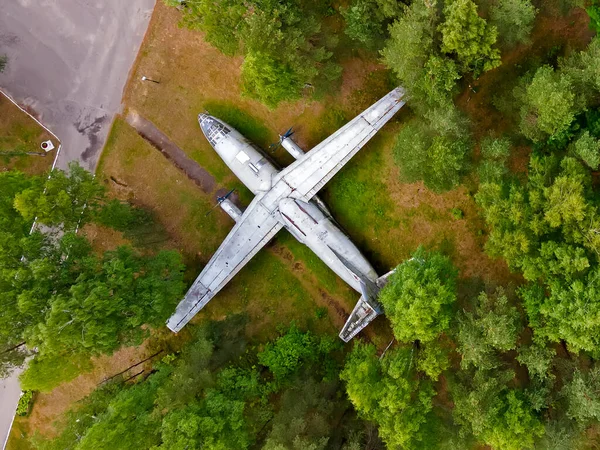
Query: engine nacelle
{"type": "Point", "coordinates": [292, 148]}
{"type": "Point", "coordinates": [232, 211]}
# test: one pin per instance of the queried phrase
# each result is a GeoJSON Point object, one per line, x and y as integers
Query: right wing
{"type": "Point", "coordinates": [307, 175]}
{"type": "Point", "coordinates": [253, 231]}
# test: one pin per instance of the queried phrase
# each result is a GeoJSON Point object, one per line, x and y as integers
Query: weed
{"type": "Point", "coordinates": [457, 213]}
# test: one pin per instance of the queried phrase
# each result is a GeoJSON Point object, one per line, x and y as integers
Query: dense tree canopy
{"type": "Point", "coordinates": [366, 20]}
{"type": "Point", "coordinates": [435, 151]}
{"type": "Point", "coordinates": [412, 53]}
{"type": "Point", "coordinates": [57, 293]}
{"type": "Point", "coordinates": [549, 105]}
{"type": "Point", "coordinates": [547, 229]}
{"type": "Point", "coordinates": [495, 414]}
{"type": "Point", "coordinates": [389, 392]}
{"type": "Point", "coordinates": [198, 400]}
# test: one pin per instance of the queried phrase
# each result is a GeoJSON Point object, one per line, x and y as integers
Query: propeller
{"type": "Point", "coordinates": [273, 147]}
{"type": "Point", "coordinates": [219, 201]}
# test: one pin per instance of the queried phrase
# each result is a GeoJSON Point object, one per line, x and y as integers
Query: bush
{"type": "Point", "coordinates": [25, 402]}
{"type": "Point", "coordinates": [457, 213]}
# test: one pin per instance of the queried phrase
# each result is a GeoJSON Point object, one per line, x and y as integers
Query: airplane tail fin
{"type": "Point", "coordinates": [366, 310]}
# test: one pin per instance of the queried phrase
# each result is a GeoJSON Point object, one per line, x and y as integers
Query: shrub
{"type": "Point", "coordinates": [25, 402]}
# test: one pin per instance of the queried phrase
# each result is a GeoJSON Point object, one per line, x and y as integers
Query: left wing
{"type": "Point", "coordinates": [309, 174]}
{"type": "Point", "coordinates": [255, 229]}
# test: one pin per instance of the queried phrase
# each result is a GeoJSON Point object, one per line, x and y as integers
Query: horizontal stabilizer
{"type": "Point", "coordinates": [365, 311]}
{"type": "Point", "coordinates": [362, 315]}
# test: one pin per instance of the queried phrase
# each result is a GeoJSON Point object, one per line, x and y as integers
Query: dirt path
{"type": "Point", "coordinates": [159, 140]}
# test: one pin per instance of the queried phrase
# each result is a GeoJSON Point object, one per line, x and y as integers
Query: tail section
{"type": "Point", "coordinates": [366, 310]}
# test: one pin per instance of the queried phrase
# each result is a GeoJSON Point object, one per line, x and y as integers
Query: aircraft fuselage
{"type": "Point", "coordinates": [309, 222]}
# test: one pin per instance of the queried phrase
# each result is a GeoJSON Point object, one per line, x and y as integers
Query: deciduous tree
{"type": "Point", "coordinates": [548, 105]}
{"type": "Point", "coordinates": [496, 415]}
{"type": "Point", "coordinates": [389, 392]}
{"type": "Point", "coordinates": [587, 148]}
{"type": "Point", "coordinates": [419, 297]}
{"type": "Point", "coordinates": [493, 326]}
{"type": "Point", "coordinates": [513, 19]}
{"type": "Point", "coordinates": [469, 37]}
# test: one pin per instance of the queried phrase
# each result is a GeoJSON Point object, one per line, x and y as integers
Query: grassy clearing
{"type": "Point", "coordinates": [266, 289]}
{"type": "Point", "coordinates": [134, 170]}
{"type": "Point", "coordinates": [19, 135]}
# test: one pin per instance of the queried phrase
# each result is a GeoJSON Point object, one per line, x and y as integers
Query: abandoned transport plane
{"type": "Point", "coordinates": [287, 198]}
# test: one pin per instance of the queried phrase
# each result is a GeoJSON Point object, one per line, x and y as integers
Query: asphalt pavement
{"type": "Point", "coordinates": [68, 62]}
{"type": "Point", "coordinates": [9, 397]}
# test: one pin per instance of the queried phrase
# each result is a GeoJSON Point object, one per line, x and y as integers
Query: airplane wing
{"type": "Point", "coordinates": [306, 176]}
{"type": "Point", "coordinates": [252, 232]}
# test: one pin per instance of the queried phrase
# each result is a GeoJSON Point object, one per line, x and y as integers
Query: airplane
{"type": "Point", "coordinates": [287, 198]}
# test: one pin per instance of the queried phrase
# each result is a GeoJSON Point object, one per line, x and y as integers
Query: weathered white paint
{"type": "Point", "coordinates": [287, 198]}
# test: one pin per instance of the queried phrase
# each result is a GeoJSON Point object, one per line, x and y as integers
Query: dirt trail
{"type": "Point", "coordinates": [159, 140]}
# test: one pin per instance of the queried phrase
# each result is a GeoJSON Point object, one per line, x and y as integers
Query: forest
{"type": "Point", "coordinates": [493, 108]}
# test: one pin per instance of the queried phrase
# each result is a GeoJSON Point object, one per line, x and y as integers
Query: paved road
{"type": "Point", "coordinates": [9, 397]}
{"type": "Point", "coordinates": [69, 61]}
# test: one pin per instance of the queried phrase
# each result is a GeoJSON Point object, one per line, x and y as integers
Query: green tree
{"type": "Point", "coordinates": [128, 421]}
{"type": "Point", "coordinates": [538, 360]}
{"type": "Point", "coordinates": [269, 80]}
{"type": "Point", "coordinates": [548, 105]}
{"type": "Point", "coordinates": [60, 296]}
{"type": "Point", "coordinates": [411, 53]}
{"type": "Point", "coordinates": [65, 198]}
{"type": "Point", "coordinates": [419, 296]}
{"type": "Point", "coordinates": [587, 148]}
{"type": "Point", "coordinates": [513, 19]}
{"type": "Point", "coordinates": [493, 326]}
{"type": "Point", "coordinates": [302, 419]}
{"type": "Point", "coordinates": [221, 20]}
{"type": "Point", "coordinates": [496, 415]}
{"type": "Point", "coordinates": [389, 392]}
{"type": "Point", "coordinates": [216, 423]}
{"type": "Point", "coordinates": [438, 160]}
{"type": "Point", "coordinates": [469, 37]}
{"type": "Point", "coordinates": [294, 349]}
{"type": "Point", "coordinates": [494, 154]}
{"type": "Point", "coordinates": [582, 395]}
{"type": "Point", "coordinates": [366, 20]}
{"type": "Point", "coordinates": [583, 68]}
{"type": "Point", "coordinates": [570, 312]}
{"type": "Point", "coordinates": [433, 360]}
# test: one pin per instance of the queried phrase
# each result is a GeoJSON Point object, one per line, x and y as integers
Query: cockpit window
{"type": "Point", "coordinates": [216, 132]}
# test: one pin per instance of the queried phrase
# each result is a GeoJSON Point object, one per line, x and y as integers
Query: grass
{"type": "Point", "coordinates": [19, 135]}
{"type": "Point", "coordinates": [244, 122]}
{"type": "Point", "coordinates": [266, 288]}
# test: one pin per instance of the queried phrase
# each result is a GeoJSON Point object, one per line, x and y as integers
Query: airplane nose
{"type": "Point", "coordinates": [205, 121]}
